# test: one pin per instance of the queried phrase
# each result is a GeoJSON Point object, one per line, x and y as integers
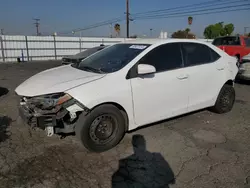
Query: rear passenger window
{"type": "Point", "coordinates": [197, 54]}
{"type": "Point", "coordinates": [214, 55]}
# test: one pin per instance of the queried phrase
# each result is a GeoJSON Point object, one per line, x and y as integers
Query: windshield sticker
{"type": "Point", "coordinates": [139, 47]}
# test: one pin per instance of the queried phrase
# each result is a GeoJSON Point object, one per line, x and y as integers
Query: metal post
{"type": "Point", "coordinates": [245, 30]}
{"type": "Point", "coordinates": [55, 46]}
{"type": "Point", "coordinates": [2, 48]}
{"type": "Point", "coordinates": [111, 30]}
{"type": "Point", "coordinates": [80, 41]}
{"type": "Point", "coordinates": [27, 48]}
{"type": "Point", "coordinates": [22, 55]}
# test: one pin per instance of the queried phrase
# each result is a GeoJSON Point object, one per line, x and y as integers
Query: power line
{"type": "Point", "coordinates": [197, 14]}
{"type": "Point", "coordinates": [107, 22]}
{"type": "Point", "coordinates": [180, 7]}
{"type": "Point", "coordinates": [190, 12]}
{"type": "Point", "coordinates": [189, 8]}
{"type": "Point", "coordinates": [155, 13]}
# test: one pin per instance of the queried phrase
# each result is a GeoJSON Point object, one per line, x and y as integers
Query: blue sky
{"type": "Point", "coordinates": [65, 15]}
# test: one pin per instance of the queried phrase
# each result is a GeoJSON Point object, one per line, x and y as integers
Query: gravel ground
{"type": "Point", "coordinates": [201, 149]}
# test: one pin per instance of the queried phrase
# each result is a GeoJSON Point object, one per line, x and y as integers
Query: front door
{"type": "Point", "coordinates": [163, 94]}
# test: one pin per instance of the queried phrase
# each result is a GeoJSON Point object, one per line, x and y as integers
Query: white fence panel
{"type": "Point", "coordinates": [29, 48]}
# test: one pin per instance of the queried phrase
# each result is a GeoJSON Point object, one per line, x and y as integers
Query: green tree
{"type": "Point", "coordinates": [183, 34]}
{"type": "Point", "coordinates": [187, 30]}
{"type": "Point", "coordinates": [229, 28]}
{"type": "Point", "coordinates": [218, 29]}
{"type": "Point", "coordinates": [248, 34]}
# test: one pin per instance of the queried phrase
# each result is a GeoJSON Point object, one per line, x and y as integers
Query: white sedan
{"type": "Point", "coordinates": [128, 85]}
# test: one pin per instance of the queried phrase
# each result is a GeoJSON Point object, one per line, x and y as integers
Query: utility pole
{"type": "Point", "coordinates": [151, 32]}
{"type": "Point", "coordinates": [245, 30]}
{"type": "Point", "coordinates": [111, 29]}
{"type": "Point", "coordinates": [37, 24]}
{"type": "Point", "coordinates": [127, 17]}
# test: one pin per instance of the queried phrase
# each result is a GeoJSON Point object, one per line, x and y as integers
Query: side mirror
{"type": "Point", "coordinates": [145, 69]}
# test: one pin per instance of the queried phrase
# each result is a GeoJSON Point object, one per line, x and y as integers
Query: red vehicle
{"type": "Point", "coordinates": [237, 46]}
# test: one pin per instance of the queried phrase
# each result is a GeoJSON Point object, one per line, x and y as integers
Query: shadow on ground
{"type": "Point", "coordinates": [143, 169]}
{"type": "Point", "coordinates": [54, 167]}
{"type": "Point", "coordinates": [242, 82]}
{"type": "Point", "coordinates": [3, 91]}
{"type": "Point", "coordinates": [4, 124]}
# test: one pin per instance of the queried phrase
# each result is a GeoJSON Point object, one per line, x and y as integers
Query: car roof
{"type": "Point", "coordinates": [160, 41]}
{"type": "Point", "coordinates": [229, 36]}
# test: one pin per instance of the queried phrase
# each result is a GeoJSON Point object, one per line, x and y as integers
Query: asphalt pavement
{"type": "Point", "coordinates": [198, 150]}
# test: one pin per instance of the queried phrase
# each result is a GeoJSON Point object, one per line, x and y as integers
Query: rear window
{"type": "Point", "coordinates": [224, 41]}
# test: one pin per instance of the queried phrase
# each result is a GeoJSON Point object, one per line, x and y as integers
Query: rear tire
{"type": "Point", "coordinates": [102, 129]}
{"type": "Point", "coordinates": [225, 100]}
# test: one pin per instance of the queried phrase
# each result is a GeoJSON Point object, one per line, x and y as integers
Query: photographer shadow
{"type": "Point", "coordinates": [3, 91]}
{"type": "Point", "coordinates": [143, 169]}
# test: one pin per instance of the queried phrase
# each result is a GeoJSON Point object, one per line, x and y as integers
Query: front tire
{"type": "Point", "coordinates": [102, 129]}
{"type": "Point", "coordinates": [225, 100]}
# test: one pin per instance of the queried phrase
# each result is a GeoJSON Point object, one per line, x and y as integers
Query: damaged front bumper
{"type": "Point", "coordinates": [59, 119]}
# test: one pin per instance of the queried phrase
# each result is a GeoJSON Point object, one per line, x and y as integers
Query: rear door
{"type": "Point", "coordinates": [205, 69]}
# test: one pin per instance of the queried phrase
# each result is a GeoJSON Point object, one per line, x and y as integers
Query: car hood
{"type": "Point", "coordinates": [55, 80]}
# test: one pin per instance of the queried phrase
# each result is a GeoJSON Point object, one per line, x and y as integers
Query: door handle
{"type": "Point", "coordinates": [221, 68]}
{"type": "Point", "coordinates": [182, 77]}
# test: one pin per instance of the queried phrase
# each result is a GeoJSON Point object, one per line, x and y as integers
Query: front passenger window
{"type": "Point", "coordinates": [164, 57]}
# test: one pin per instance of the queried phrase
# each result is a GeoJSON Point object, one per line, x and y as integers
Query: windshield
{"type": "Point", "coordinates": [88, 52]}
{"type": "Point", "coordinates": [223, 41]}
{"type": "Point", "coordinates": [112, 58]}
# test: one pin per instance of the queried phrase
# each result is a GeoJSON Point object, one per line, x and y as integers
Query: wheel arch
{"type": "Point", "coordinates": [238, 56]}
{"type": "Point", "coordinates": [120, 107]}
{"type": "Point", "coordinates": [229, 82]}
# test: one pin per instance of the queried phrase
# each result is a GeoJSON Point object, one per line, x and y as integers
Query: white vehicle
{"type": "Point", "coordinates": [128, 85]}
{"type": "Point", "coordinates": [244, 68]}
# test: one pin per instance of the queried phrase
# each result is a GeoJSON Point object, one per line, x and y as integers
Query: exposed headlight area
{"type": "Point", "coordinates": [46, 102]}
{"type": "Point", "coordinates": [55, 113]}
